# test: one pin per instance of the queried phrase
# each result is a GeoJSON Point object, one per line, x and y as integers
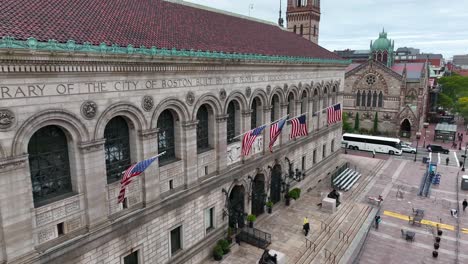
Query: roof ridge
{"type": "Point", "coordinates": [223, 12]}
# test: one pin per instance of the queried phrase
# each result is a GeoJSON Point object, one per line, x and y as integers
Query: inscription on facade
{"type": "Point", "coordinates": [11, 90]}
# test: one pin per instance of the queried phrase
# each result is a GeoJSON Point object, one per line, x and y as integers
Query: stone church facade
{"type": "Point", "coordinates": [74, 114]}
{"type": "Point", "coordinates": [397, 92]}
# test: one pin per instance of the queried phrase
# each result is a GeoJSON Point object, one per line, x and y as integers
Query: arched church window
{"type": "Point", "coordinates": [325, 98]}
{"type": "Point", "coordinates": [166, 139]}
{"type": "Point", "coordinates": [370, 79]}
{"type": "Point", "coordinates": [291, 104]}
{"type": "Point", "coordinates": [274, 107]}
{"type": "Point", "coordinates": [295, 29]}
{"type": "Point", "coordinates": [304, 102]}
{"type": "Point", "coordinates": [232, 120]}
{"type": "Point", "coordinates": [369, 98]}
{"type": "Point", "coordinates": [49, 164]}
{"type": "Point", "coordinates": [203, 142]}
{"type": "Point", "coordinates": [363, 98]}
{"type": "Point", "coordinates": [374, 99]}
{"type": "Point", "coordinates": [358, 98]}
{"type": "Point", "coordinates": [117, 148]}
{"type": "Point", "coordinates": [315, 105]}
{"type": "Point", "coordinates": [380, 104]}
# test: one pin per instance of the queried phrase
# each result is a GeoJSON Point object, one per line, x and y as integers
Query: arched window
{"type": "Point", "coordinates": [232, 121]}
{"type": "Point", "coordinates": [301, 30]}
{"type": "Point", "coordinates": [380, 99]}
{"type": "Point", "coordinates": [369, 98]}
{"type": "Point", "coordinates": [117, 148]}
{"type": "Point", "coordinates": [325, 98]}
{"type": "Point", "coordinates": [49, 164]}
{"type": "Point", "coordinates": [363, 98]}
{"type": "Point", "coordinates": [304, 102]}
{"type": "Point", "coordinates": [358, 98]}
{"type": "Point", "coordinates": [374, 99]}
{"type": "Point", "coordinates": [295, 29]}
{"type": "Point", "coordinates": [291, 104]}
{"type": "Point", "coordinates": [315, 105]}
{"type": "Point", "coordinates": [274, 108]}
{"type": "Point", "coordinates": [334, 95]}
{"type": "Point", "coordinates": [203, 142]}
{"type": "Point", "coordinates": [166, 140]}
{"type": "Point", "coordinates": [255, 117]}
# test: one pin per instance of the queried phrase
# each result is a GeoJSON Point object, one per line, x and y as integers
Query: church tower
{"type": "Point", "coordinates": [303, 18]}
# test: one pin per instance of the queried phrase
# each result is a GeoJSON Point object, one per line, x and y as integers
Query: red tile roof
{"type": "Point", "coordinates": [149, 23]}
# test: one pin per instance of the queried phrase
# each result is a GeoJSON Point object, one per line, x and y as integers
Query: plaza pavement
{"type": "Point", "coordinates": [384, 245]}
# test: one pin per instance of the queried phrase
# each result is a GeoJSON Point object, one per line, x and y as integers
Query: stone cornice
{"type": "Point", "coordinates": [92, 146]}
{"type": "Point", "coordinates": [221, 118]}
{"type": "Point", "coordinates": [13, 163]}
{"type": "Point", "coordinates": [147, 134]}
{"type": "Point", "coordinates": [190, 124]}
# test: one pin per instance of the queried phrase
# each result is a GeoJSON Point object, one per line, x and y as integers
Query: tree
{"type": "Point", "coordinates": [453, 88]}
{"type": "Point", "coordinates": [356, 122]}
{"type": "Point", "coordinates": [445, 101]}
{"type": "Point", "coordinates": [346, 126]}
{"type": "Point", "coordinates": [376, 124]}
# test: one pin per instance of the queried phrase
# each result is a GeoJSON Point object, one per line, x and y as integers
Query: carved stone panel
{"type": "Point", "coordinates": [147, 103]}
{"type": "Point", "coordinates": [7, 118]}
{"type": "Point", "coordinates": [222, 94]}
{"type": "Point", "coordinates": [248, 91]}
{"type": "Point", "coordinates": [190, 98]}
{"type": "Point", "coordinates": [89, 109]}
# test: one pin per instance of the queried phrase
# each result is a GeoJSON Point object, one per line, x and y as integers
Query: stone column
{"type": "Point", "coordinates": [191, 158]}
{"type": "Point", "coordinates": [17, 206]}
{"type": "Point", "coordinates": [283, 138]}
{"type": "Point", "coordinates": [150, 181]}
{"type": "Point", "coordinates": [221, 141]}
{"type": "Point", "coordinates": [94, 181]}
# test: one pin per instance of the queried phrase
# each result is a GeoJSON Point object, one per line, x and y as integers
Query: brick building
{"type": "Point", "coordinates": [89, 87]}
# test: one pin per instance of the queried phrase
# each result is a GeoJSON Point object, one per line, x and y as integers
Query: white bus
{"type": "Point", "coordinates": [387, 145]}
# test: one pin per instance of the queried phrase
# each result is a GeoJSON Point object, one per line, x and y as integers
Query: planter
{"type": "Point", "coordinates": [287, 201]}
{"type": "Point", "coordinates": [269, 209]}
{"type": "Point", "coordinates": [251, 224]}
{"type": "Point", "coordinates": [439, 232]}
{"type": "Point", "coordinates": [437, 239]}
{"type": "Point", "coordinates": [435, 254]}
{"type": "Point", "coordinates": [436, 245]}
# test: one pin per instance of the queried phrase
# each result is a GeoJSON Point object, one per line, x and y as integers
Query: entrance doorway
{"type": "Point", "coordinates": [258, 195]}
{"type": "Point", "coordinates": [236, 207]}
{"type": "Point", "coordinates": [275, 187]}
{"type": "Point", "coordinates": [405, 128]}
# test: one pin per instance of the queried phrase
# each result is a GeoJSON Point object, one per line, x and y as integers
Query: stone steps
{"type": "Point", "coordinates": [308, 253]}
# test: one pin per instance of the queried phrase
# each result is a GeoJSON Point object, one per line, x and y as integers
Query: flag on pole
{"type": "Point", "coordinates": [249, 139]}
{"type": "Point", "coordinates": [299, 127]}
{"type": "Point", "coordinates": [334, 113]}
{"type": "Point", "coordinates": [275, 131]}
{"type": "Point", "coordinates": [133, 171]}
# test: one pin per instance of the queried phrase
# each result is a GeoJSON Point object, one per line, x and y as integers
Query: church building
{"type": "Point", "coordinates": [396, 94]}
{"type": "Point", "coordinates": [88, 88]}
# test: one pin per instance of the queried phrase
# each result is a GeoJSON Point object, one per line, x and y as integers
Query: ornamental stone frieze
{"type": "Point", "coordinates": [367, 115]}
{"type": "Point", "coordinates": [248, 92]}
{"type": "Point", "coordinates": [89, 109]}
{"type": "Point", "coordinates": [7, 118]}
{"type": "Point", "coordinates": [387, 117]}
{"type": "Point", "coordinates": [190, 98]}
{"type": "Point", "coordinates": [147, 103]}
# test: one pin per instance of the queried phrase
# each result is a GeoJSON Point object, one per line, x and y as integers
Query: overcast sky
{"type": "Point", "coordinates": [433, 26]}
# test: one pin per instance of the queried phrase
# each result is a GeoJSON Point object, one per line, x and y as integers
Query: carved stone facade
{"type": "Point", "coordinates": [396, 94]}
{"type": "Point", "coordinates": [88, 225]}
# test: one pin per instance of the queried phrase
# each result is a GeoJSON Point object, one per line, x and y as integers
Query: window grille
{"type": "Point", "coordinates": [117, 148]}
{"type": "Point", "coordinates": [203, 143]}
{"type": "Point", "coordinates": [166, 137]}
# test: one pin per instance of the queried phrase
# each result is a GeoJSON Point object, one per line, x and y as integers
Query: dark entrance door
{"type": "Point", "coordinates": [275, 187]}
{"type": "Point", "coordinates": [258, 195]}
{"type": "Point", "coordinates": [236, 207]}
{"type": "Point", "coordinates": [405, 128]}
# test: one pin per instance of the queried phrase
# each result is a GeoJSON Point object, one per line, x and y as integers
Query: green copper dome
{"type": "Point", "coordinates": [382, 43]}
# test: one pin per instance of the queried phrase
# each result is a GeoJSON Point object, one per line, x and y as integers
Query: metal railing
{"type": "Point", "coordinates": [255, 237]}
{"type": "Point", "coordinates": [338, 171]}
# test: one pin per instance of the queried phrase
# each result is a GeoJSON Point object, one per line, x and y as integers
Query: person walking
{"type": "Point", "coordinates": [447, 161]}
{"type": "Point", "coordinates": [373, 153]}
{"type": "Point", "coordinates": [464, 204]}
{"type": "Point", "coordinates": [377, 221]}
{"type": "Point", "coordinates": [306, 226]}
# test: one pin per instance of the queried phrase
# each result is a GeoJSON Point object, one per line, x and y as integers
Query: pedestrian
{"type": "Point", "coordinates": [377, 221]}
{"type": "Point", "coordinates": [373, 153]}
{"type": "Point", "coordinates": [447, 161]}
{"type": "Point", "coordinates": [380, 199]}
{"type": "Point", "coordinates": [454, 212]}
{"type": "Point", "coordinates": [464, 204]}
{"type": "Point", "coordinates": [306, 226]}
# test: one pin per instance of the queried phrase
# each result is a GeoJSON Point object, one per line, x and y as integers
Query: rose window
{"type": "Point", "coordinates": [370, 79]}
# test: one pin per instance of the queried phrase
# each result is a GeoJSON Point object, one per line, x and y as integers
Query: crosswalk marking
{"type": "Point", "coordinates": [438, 156]}
{"type": "Point", "coordinates": [456, 158]}
{"type": "Point", "coordinates": [424, 222]}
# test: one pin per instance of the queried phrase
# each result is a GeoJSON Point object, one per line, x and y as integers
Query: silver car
{"type": "Point", "coordinates": [408, 149]}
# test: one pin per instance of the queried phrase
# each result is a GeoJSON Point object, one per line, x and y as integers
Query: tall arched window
{"type": "Point", "coordinates": [166, 138]}
{"type": "Point", "coordinates": [232, 120]}
{"type": "Point", "coordinates": [203, 142]}
{"type": "Point", "coordinates": [363, 98]}
{"type": "Point", "coordinates": [374, 99]}
{"type": "Point", "coordinates": [380, 99]}
{"type": "Point", "coordinates": [295, 29]}
{"type": "Point", "coordinates": [304, 102]}
{"type": "Point", "coordinates": [301, 30]}
{"type": "Point", "coordinates": [291, 104]}
{"type": "Point", "coordinates": [369, 98]}
{"type": "Point", "coordinates": [358, 98]}
{"type": "Point", "coordinates": [334, 95]}
{"type": "Point", "coordinates": [255, 117]}
{"type": "Point", "coordinates": [117, 148]}
{"type": "Point", "coordinates": [315, 105]}
{"type": "Point", "coordinates": [49, 164]}
{"type": "Point", "coordinates": [325, 98]}
{"type": "Point", "coordinates": [275, 107]}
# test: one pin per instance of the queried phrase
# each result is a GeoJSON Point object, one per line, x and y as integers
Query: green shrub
{"type": "Point", "coordinates": [295, 193]}
{"type": "Point", "coordinates": [218, 252]}
{"type": "Point", "coordinates": [224, 244]}
{"type": "Point", "coordinates": [251, 218]}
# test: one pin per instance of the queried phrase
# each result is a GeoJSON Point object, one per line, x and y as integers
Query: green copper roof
{"type": "Point", "coordinates": [382, 43]}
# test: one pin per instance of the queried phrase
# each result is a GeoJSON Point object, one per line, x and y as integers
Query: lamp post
{"type": "Point", "coordinates": [426, 125]}
{"type": "Point", "coordinates": [289, 177]}
{"type": "Point", "coordinates": [418, 136]}
{"type": "Point", "coordinates": [464, 158]}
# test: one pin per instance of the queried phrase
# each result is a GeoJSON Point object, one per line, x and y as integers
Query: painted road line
{"type": "Point", "coordinates": [456, 158]}
{"type": "Point", "coordinates": [430, 156]}
{"type": "Point", "coordinates": [424, 222]}
{"type": "Point", "coordinates": [438, 156]}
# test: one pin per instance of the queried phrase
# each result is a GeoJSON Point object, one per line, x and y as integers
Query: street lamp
{"type": "Point", "coordinates": [418, 136]}
{"type": "Point", "coordinates": [426, 125]}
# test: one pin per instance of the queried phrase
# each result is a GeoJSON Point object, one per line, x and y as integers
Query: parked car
{"type": "Point", "coordinates": [408, 149]}
{"type": "Point", "coordinates": [437, 149]}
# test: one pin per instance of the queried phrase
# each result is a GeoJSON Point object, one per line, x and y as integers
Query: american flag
{"type": "Point", "coordinates": [334, 113]}
{"type": "Point", "coordinates": [249, 139]}
{"type": "Point", "coordinates": [275, 131]}
{"type": "Point", "coordinates": [299, 127]}
{"type": "Point", "coordinates": [133, 171]}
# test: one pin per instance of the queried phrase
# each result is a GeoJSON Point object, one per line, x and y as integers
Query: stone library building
{"type": "Point", "coordinates": [88, 88]}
